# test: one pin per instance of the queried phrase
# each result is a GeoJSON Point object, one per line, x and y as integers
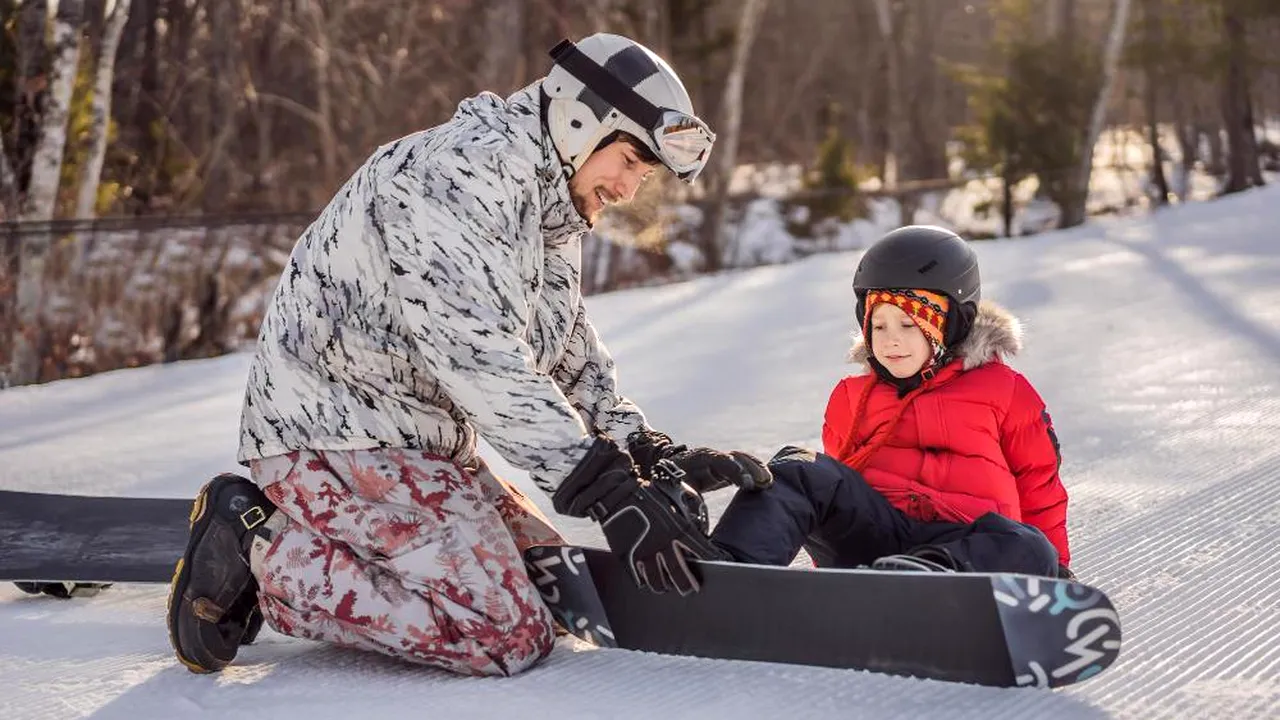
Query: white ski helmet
{"type": "Point", "coordinates": [608, 83]}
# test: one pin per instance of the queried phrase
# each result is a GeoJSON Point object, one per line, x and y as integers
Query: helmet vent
{"type": "Point", "coordinates": [575, 124]}
{"type": "Point", "coordinates": [927, 267]}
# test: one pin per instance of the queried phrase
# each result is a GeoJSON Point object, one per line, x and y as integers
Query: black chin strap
{"type": "Point", "coordinates": [904, 385]}
{"type": "Point", "coordinates": [907, 384]}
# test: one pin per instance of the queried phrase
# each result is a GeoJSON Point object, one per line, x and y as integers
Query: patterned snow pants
{"type": "Point", "coordinates": [404, 553]}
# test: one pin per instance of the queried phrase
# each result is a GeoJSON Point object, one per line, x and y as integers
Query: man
{"type": "Point", "coordinates": [434, 301]}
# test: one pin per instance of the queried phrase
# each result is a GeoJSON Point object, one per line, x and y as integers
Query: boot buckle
{"type": "Point", "coordinates": [253, 517]}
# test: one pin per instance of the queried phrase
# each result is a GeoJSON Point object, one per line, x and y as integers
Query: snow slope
{"type": "Point", "coordinates": [1156, 343]}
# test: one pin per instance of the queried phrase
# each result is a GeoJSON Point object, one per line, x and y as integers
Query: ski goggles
{"type": "Point", "coordinates": [681, 141]}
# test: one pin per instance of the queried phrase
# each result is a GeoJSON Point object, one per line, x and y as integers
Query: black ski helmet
{"type": "Point", "coordinates": [924, 257]}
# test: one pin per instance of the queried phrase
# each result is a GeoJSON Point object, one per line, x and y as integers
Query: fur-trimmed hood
{"type": "Point", "coordinates": [996, 333]}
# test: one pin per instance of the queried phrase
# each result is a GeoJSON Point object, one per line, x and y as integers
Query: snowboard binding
{"type": "Point", "coordinates": [62, 590]}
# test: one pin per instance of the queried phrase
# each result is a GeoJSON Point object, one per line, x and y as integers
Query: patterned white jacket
{"type": "Point", "coordinates": [438, 297]}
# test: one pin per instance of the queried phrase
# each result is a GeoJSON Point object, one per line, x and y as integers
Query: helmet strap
{"type": "Point", "coordinates": [907, 384]}
{"type": "Point", "coordinates": [601, 82]}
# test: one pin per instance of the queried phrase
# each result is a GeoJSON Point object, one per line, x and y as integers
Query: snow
{"type": "Point", "coordinates": [1155, 341]}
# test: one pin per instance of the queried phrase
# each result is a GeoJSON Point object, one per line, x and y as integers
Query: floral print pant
{"type": "Point", "coordinates": [404, 553]}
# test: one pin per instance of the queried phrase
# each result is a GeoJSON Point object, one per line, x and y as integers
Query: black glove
{"type": "Point", "coordinates": [651, 527]}
{"type": "Point", "coordinates": [1064, 573]}
{"type": "Point", "coordinates": [703, 469]}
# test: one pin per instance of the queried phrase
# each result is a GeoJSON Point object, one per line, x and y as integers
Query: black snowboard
{"type": "Point", "coordinates": [90, 539]}
{"type": "Point", "coordinates": [1003, 630]}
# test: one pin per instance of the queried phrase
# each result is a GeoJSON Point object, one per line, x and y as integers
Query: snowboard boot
{"type": "Point", "coordinates": [922, 559]}
{"type": "Point", "coordinates": [213, 601]}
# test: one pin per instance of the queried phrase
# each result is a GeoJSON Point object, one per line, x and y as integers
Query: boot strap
{"type": "Point", "coordinates": [240, 609]}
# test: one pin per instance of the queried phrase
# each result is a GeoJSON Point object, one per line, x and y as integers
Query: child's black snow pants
{"type": "Point", "coordinates": [821, 504]}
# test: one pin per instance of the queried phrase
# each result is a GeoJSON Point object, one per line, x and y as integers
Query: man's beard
{"type": "Point", "coordinates": [579, 204]}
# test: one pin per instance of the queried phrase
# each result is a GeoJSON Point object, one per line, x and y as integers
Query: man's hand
{"type": "Point", "coordinates": [652, 529]}
{"type": "Point", "coordinates": [703, 469]}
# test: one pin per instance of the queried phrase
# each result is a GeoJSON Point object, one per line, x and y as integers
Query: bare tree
{"type": "Point", "coordinates": [30, 86]}
{"type": "Point", "coordinates": [1060, 18]}
{"type": "Point", "coordinates": [1152, 79]}
{"type": "Point", "coordinates": [42, 193]}
{"type": "Point", "coordinates": [656, 27]}
{"type": "Point", "coordinates": [793, 79]}
{"type": "Point", "coordinates": [1074, 213]}
{"type": "Point", "coordinates": [225, 96]}
{"type": "Point", "coordinates": [117, 13]}
{"type": "Point", "coordinates": [726, 155]}
{"type": "Point", "coordinates": [600, 14]}
{"type": "Point", "coordinates": [321, 27]}
{"type": "Point", "coordinates": [8, 186]}
{"type": "Point", "coordinates": [499, 64]}
{"type": "Point", "coordinates": [893, 93]}
{"type": "Point", "coordinates": [1243, 171]}
{"type": "Point", "coordinates": [926, 121]}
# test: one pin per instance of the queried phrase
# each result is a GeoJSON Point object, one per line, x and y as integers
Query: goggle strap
{"type": "Point", "coordinates": [603, 83]}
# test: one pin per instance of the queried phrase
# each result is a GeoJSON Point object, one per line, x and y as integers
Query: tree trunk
{"type": "Point", "coordinates": [1253, 160]}
{"type": "Point", "coordinates": [321, 54]}
{"type": "Point", "coordinates": [864, 96]}
{"type": "Point", "coordinates": [1006, 201]}
{"type": "Point", "coordinates": [147, 110]}
{"type": "Point", "coordinates": [9, 271]}
{"type": "Point", "coordinates": [42, 193]}
{"type": "Point", "coordinates": [91, 173]}
{"type": "Point", "coordinates": [927, 121]}
{"type": "Point", "coordinates": [1243, 171]}
{"type": "Point", "coordinates": [499, 64]}
{"type": "Point", "coordinates": [1151, 82]}
{"type": "Point", "coordinates": [1074, 212]}
{"type": "Point", "coordinates": [225, 94]}
{"type": "Point", "coordinates": [8, 188]}
{"type": "Point", "coordinates": [1052, 17]}
{"type": "Point", "coordinates": [30, 86]}
{"type": "Point", "coordinates": [893, 93]}
{"type": "Point", "coordinates": [600, 14]}
{"type": "Point", "coordinates": [1153, 136]}
{"type": "Point", "coordinates": [656, 28]}
{"type": "Point", "coordinates": [1190, 153]}
{"type": "Point", "coordinates": [725, 154]}
{"type": "Point", "coordinates": [1060, 20]}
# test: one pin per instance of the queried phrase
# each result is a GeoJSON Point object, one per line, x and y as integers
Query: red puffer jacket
{"type": "Point", "coordinates": [974, 438]}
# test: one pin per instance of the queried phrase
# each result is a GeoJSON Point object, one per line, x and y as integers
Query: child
{"type": "Point", "coordinates": [940, 457]}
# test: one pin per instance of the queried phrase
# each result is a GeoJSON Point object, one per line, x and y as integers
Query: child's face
{"type": "Point", "coordinates": [897, 343]}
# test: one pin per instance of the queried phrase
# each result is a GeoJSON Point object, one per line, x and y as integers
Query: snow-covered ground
{"type": "Point", "coordinates": [1155, 341]}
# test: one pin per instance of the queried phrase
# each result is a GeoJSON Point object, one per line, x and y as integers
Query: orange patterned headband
{"type": "Point", "coordinates": [927, 309]}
